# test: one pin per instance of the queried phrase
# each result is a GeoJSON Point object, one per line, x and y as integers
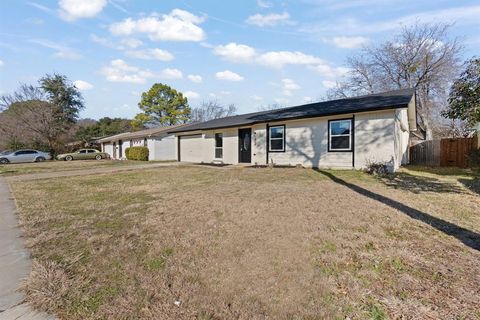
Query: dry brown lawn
{"type": "Point", "coordinates": [204, 243]}
{"type": "Point", "coordinates": [56, 166]}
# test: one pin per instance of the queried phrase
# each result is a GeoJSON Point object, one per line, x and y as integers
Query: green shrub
{"type": "Point", "coordinates": [474, 158]}
{"type": "Point", "coordinates": [137, 153]}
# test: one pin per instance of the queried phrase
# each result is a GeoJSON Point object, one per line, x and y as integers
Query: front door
{"type": "Point", "coordinates": [245, 145]}
{"type": "Point", "coordinates": [120, 149]}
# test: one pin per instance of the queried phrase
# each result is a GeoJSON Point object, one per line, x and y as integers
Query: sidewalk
{"type": "Point", "coordinates": [15, 263]}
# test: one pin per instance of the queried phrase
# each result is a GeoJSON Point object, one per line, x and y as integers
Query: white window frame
{"type": "Point", "coordinates": [215, 140]}
{"type": "Point", "coordinates": [330, 135]}
{"type": "Point", "coordinates": [282, 138]}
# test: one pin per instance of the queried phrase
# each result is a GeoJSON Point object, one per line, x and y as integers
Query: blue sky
{"type": "Point", "coordinates": [250, 53]}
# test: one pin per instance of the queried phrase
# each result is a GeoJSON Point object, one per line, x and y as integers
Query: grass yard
{"type": "Point", "coordinates": [244, 243]}
{"type": "Point", "coordinates": [55, 166]}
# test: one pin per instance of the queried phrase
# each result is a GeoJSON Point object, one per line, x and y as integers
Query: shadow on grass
{"type": "Point", "coordinates": [418, 184]}
{"type": "Point", "coordinates": [472, 184]}
{"type": "Point", "coordinates": [467, 237]}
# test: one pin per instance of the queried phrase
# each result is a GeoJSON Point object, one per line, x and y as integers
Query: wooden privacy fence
{"type": "Point", "coordinates": [444, 152]}
{"type": "Point", "coordinates": [426, 153]}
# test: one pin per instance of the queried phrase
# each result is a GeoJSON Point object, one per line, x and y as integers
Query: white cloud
{"type": "Point", "coordinates": [264, 4]}
{"type": "Point", "coordinates": [62, 52]}
{"type": "Point", "coordinates": [349, 42]}
{"type": "Point", "coordinates": [288, 85]}
{"type": "Point", "coordinates": [257, 98]}
{"type": "Point", "coordinates": [150, 54]}
{"type": "Point", "coordinates": [329, 84]}
{"type": "Point", "coordinates": [178, 25]}
{"type": "Point", "coordinates": [191, 95]}
{"type": "Point", "coordinates": [228, 75]}
{"type": "Point", "coordinates": [83, 85]}
{"type": "Point", "coordinates": [269, 20]}
{"type": "Point", "coordinates": [1, 63]}
{"type": "Point", "coordinates": [235, 52]}
{"type": "Point", "coordinates": [462, 15]}
{"type": "Point", "coordinates": [71, 10]}
{"type": "Point", "coordinates": [195, 78]}
{"type": "Point", "coordinates": [131, 43]}
{"type": "Point", "coordinates": [67, 55]}
{"type": "Point", "coordinates": [120, 71]}
{"type": "Point", "coordinates": [41, 7]}
{"type": "Point", "coordinates": [277, 59]}
{"type": "Point", "coordinates": [171, 74]}
{"type": "Point", "coordinates": [329, 71]}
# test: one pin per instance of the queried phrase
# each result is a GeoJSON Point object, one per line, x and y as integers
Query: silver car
{"type": "Point", "coordinates": [24, 155]}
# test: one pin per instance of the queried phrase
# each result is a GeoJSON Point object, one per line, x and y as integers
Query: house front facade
{"type": "Point", "coordinates": [160, 143]}
{"type": "Point", "coordinates": [344, 133]}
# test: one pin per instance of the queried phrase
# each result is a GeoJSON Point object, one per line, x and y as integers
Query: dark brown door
{"type": "Point", "coordinates": [120, 147]}
{"type": "Point", "coordinates": [245, 145]}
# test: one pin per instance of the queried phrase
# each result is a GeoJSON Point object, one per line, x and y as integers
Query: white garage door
{"type": "Point", "coordinates": [191, 148]}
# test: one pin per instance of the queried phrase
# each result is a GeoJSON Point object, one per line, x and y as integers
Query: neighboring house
{"type": "Point", "coordinates": [161, 144]}
{"type": "Point", "coordinates": [344, 133]}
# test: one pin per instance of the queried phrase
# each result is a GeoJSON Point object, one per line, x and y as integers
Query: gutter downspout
{"type": "Point", "coordinates": [266, 143]}
{"type": "Point", "coordinates": [353, 141]}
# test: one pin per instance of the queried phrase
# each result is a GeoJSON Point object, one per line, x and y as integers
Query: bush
{"type": "Point", "coordinates": [137, 153]}
{"type": "Point", "coordinates": [377, 168]}
{"type": "Point", "coordinates": [474, 158]}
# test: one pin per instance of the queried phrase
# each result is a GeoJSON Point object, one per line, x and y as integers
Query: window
{"type": "Point", "coordinates": [22, 152]}
{"type": "Point", "coordinates": [145, 142]}
{"type": "Point", "coordinates": [82, 151]}
{"type": "Point", "coordinates": [340, 135]}
{"type": "Point", "coordinates": [91, 151]}
{"type": "Point", "coordinates": [218, 145]}
{"type": "Point", "coordinates": [276, 138]}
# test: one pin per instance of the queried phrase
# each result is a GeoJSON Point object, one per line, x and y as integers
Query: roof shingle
{"type": "Point", "coordinates": [372, 102]}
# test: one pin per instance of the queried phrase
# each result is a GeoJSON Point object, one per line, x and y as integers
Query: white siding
{"type": "Point", "coordinates": [108, 148]}
{"type": "Point", "coordinates": [306, 143]}
{"type": "Point", "coordinates": [374, 138]}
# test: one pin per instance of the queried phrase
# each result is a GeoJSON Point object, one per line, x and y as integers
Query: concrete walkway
{"type": "Point", "coordinates": [15, 263]}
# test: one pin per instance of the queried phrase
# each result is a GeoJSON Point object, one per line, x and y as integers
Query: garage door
{"type": "Point", "coordinates": [191, 148]}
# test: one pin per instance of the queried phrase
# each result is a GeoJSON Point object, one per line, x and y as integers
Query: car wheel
{"type": "Point", "coordinates": [98, 157]}
{"type": "Point", "coordinates": [4, 161]}
{"type": "Point", "coordinates": [40, 159]}
{"type": "Point", "coordinates": [68, 158]}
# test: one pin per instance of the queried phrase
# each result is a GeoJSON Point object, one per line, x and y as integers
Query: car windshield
{"type": "Point", "coordinates": [6, 152]}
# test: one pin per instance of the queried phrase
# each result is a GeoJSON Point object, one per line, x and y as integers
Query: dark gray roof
{"type": "Point", "coordinates": [152, 132]}
{"type": "Point", "coordinates": [371, 102]}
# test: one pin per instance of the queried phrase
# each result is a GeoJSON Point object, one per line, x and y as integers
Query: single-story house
{"type": "Point", "coordinates": [160, 143]}
{"type": "Point", "coordinates": [343, 133]}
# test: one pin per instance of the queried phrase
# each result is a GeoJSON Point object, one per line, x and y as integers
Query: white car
{"type": "Point", "coordinates": [24, 155]}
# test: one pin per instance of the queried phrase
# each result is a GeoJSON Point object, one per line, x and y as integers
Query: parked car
{"type": "Point", "coordinates": [84, 154]}
{"type": "Point", "coordinates": [24, 155]}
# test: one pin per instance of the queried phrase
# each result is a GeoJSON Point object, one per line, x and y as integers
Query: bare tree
{"type": "Point", "coordinates": [32, 122]}
{"type": "Point", "coordinates": [210, 110]}
{"type": "Point", "coordinates": [26, 92]}
{"type": "Point", "coordinates": [422, 56]}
